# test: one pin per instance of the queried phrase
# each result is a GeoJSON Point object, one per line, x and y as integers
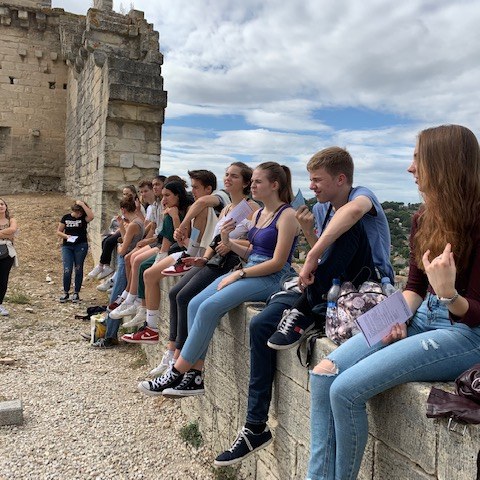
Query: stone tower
{"type": "Point", "coordinates": [82, 102]}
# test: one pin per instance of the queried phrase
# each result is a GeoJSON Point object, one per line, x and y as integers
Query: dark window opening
{"type": "Point", "coordinates": [64, 86]}
{"type": "Point", "coordinates": [4, 138]}
{"type": "Point", "coordinates": [51, 85]}
{"type": "Point", "coordinates": [12, 80]}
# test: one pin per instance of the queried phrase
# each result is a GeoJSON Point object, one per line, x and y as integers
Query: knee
{"type": "Point", "coordinates": [326, 367]}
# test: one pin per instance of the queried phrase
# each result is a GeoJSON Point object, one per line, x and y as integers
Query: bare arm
{"type": "Point", "coordinates": [198, 206]}
{"type": "Point", "coordinates": [8, 233]}
{"type": "Point", "coordinates": [88, 211]}
{"type": "Point", "coordinates": [127, 236]}
{"type": "Point", "coordinates": [344, 219]}
{"type": "Point", "coordinates": [61, 231]}
{"type": "Point", "coordinates": [307, 223]}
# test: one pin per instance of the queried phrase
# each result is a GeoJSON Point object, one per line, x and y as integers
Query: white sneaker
{"type": "Point", "coordinates": [119, 312]}
{"type": "Point", "coordinates": [3, 311]}
{"type": "Point", "coordinates": [105, 286]}
{"type": "Point", "coordinates": [98, 269]}
{"type": "Point", "coordinates": [107, 270]}
{"type": "Point", "coordinates": [138, 320]}
{"type": "Point", "coordinates": [166, 363]}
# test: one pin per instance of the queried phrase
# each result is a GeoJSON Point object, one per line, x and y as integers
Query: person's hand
{"type": "Point", "coordinates": [180, 234]}
{"type": "Point", "coordinates": [222, 249]}
{"type": "Point", "coordinates": [194, 261]}
{"type": "Point", "coordinates": [227, 227]}
{"type": "Point", "coordinates": [398, 331]}
{"type": "Point", "coordinates": [79, 202]}
{"type": "Point", "coordinates": [233, 277]}
{"type": "Point", "coordinates": [306, 276]}
{"type": "Point", "coordinates": [305, 218]}
{"type": "Point", "coordinates": [441, 272]}
{"type": "Point", "coordinates": [172, 211]}
{"type": "Point", "coordinates": [119, 219]}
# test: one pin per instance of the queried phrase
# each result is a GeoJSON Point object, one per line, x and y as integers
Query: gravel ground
{"type": "Point", "coordinates": [83, 417]}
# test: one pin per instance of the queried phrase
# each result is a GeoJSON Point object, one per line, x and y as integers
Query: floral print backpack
{"type": "Point", "coordinates": [351, 303]}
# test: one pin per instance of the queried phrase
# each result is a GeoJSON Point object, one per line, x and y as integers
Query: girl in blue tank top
{"type": "Point", "coordinates": [269, 251]}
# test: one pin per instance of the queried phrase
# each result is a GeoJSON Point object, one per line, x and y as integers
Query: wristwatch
{"type": "Point", "coordinates": [242, 273]}
{"type": "Point", "coordinates": [448, 301]}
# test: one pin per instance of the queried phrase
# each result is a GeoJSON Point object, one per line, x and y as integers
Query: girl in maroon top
{"type": "Point", "coordinates": [443, 290]}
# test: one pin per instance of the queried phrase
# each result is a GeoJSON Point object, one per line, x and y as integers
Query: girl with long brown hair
{"type": "Point", "coordinates": [442, 339]}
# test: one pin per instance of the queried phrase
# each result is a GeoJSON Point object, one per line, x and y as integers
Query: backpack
{"type": "Point", "coordinates": [340, 324]}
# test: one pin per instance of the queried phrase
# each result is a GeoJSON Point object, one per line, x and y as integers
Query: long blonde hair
{"type": "Point", "coordinates": [448, 168]}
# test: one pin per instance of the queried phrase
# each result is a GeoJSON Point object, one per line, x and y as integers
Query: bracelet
{"type": "Point", "coordinates": [206, 259]}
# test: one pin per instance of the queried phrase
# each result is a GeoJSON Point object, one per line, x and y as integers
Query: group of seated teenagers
{"type": "Point", "coordinates": [349, 238]}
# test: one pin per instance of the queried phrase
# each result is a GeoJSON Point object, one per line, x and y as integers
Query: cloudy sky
{"type": "Point", "coordinates": [279, 80]}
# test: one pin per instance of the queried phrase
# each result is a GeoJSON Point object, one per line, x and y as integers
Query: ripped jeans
{"type": "Point", "coordinates": [434, 351]}
{"type": "Point", "coordinates": [73, 255]}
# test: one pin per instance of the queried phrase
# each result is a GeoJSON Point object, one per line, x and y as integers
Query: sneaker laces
{"type": "Point", "coordinates": [187, 377]}
{"type": "Point", "coordinates": [165, 379]}
{"type": "Point", "coordinates": [288, 321]}
{"type": "Point", "coordinates": [240, 437]}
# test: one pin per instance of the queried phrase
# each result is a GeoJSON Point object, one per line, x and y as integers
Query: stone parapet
{"type": "Point", "coordinates": [403, 443]}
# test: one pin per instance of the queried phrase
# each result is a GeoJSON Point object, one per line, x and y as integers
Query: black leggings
{"type": "Point", "coordinates": [5, 266]}
{"type": "Point", "coordinates": [109, 243]}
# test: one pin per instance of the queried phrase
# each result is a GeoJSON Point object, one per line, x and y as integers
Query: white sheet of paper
{"type": "Point", "coordinates": [377, 322]}
{"type": "Point", "coordinates": [72, 238]}
{"type": "Point", "coordinates": [298, 201]}
{"type": "Point", "coordinates": [240, 212]}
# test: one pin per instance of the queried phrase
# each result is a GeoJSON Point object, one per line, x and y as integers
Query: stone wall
{"type": "Point", "coordinates": [33, 82]}
{"type": "Point", "coordinates": [82, 103]}
{"type": "Point", "coordinates": [403, 442]}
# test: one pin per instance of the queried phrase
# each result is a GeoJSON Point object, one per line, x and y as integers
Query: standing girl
{"type": "Point", "coordinates": [8, 228]}
{"type": "Point", "coordinates": [73, 229]}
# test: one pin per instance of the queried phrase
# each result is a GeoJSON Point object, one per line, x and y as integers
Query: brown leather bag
{"type": "Point", "coordinates": [464, 407]}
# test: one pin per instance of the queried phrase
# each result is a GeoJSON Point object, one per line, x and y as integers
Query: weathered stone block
{"type": "Point", "coordinates": [405, 406]}
{"type": "Point", "coordinates": [456, 453]}
{"type": "Point", "coordinates": [394, 466]}
{"type": "Point", "coordinates": [11, 412]}
{"type": "Point", "coordinates": [126, 160]}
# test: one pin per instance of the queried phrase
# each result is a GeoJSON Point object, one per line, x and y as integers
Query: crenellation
{"type": "Point", "coordinates": [82, 97]}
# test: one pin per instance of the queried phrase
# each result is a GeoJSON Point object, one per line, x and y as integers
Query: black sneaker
{"type": "Point", "coordinates": [156, 386]}
{"type": "Point", "coordinates": [191, 385]}
{"type": "Point", "coordinates": [64, 298]}
{"type": "Point", "coordinates": [246, 444]}
{"type": "Point", "coordinates": [75, 298]}
{"type": "Point", "coordinates": [292, 329]}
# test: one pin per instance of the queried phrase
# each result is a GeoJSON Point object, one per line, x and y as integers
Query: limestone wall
{"type": "Point", "coordinates": [115, 109]}
{"type": "Point", "coordinates": [33, 83]}
{"type": "Point", "coordinates": [81, 103]}
{"type": "Point", "coordinates": [403, 442]}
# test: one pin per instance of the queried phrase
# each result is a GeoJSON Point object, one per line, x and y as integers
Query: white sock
{"type": "Point", "coordinates": [130, 299]}
{"type": "Point", "coordinates": [100, 265]}
{"type": "Point", "coordinates": [124, 294]}
{"type": "Point", "coordinates": [152, 318]}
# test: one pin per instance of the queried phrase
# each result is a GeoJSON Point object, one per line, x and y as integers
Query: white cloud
{"type": "Point", "coordinates": [277, 63]}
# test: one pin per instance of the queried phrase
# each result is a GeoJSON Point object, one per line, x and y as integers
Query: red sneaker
{"type": "Point", "coordinates": [115, 304]}
{"type": "Point", "coordinates": [176, 270]}
{"type": "Point", "coordinates": [145, 335]}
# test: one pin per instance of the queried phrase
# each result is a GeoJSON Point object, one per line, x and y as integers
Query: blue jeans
{"type": "Point", "coordinates": [73, 254]}
{"type": "Point", "coordinates": [208, 307]}
{"type": "Point", "coordinates": [434, 351]}
{"type": "Point", "coordinates": [346, 258]}
{"type": "Point", "coordinates": [118, 287]}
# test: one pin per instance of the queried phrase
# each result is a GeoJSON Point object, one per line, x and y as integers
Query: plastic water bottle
{"type": "Point", "coordinates": [332, 297]}
{"type": "Point", "coordinates": [387, 287]}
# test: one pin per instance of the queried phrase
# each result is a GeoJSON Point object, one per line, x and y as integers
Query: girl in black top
{"type": "Point", "coordinates": [73, 229]}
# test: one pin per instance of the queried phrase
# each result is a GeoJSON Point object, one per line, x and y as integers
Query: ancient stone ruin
{"type": "Point", "coordinates": [82, 102]}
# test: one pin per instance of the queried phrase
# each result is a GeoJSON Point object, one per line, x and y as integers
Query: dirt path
{"type": "Point", "coordinates": [84, 418]}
